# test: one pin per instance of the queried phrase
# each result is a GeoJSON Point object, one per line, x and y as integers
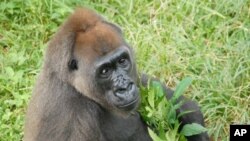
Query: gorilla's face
{"type": "Point", "coordinates": [103, 68]}
{"type": "Point", "coordinates": [114, 76]}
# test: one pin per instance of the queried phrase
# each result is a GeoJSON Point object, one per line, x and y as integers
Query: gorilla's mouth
{"type": "Point", "coordinates": [131, 105]}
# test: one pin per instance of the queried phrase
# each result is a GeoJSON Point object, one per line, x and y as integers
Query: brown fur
{"type": "Point", "coordinates": [93, 37]}
{"type": "Point", "coordinates": [97, 41]}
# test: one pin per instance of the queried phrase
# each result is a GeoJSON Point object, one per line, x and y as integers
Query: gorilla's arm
{"type": "Point", "coordinates": [195, 116]}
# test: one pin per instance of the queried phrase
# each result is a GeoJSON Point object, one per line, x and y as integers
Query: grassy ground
{"type": "Point", "coordinates": [208, 40]}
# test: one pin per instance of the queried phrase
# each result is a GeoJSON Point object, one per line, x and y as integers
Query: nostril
{"type": "Point", "coordinates": [130, 86]}
{"type": "Point", "coordinates": [120, 91]}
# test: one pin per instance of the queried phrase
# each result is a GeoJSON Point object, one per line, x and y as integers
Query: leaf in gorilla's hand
{"type": "Point", "coordinates": [183, 85]}
{"type": "Point", "coordinates": [153, 135]}
{"type": "Point", "coordinates": [192, 129]}
{"type": "Point", "coordinates": [158, 88]}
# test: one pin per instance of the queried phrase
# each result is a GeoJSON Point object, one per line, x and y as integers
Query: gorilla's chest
{"type": "Point", "coordinates": [116, 128]}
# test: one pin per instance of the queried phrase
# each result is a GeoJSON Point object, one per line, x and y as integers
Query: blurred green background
{"type": "Point", "coordinates": [207, 40]}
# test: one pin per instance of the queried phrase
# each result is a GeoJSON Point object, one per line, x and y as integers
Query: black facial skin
{"type": "Point", "coordinates": [114, 76]}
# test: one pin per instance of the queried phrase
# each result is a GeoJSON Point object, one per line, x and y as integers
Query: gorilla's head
{"type": "Point", "coordinates": [100, 63]}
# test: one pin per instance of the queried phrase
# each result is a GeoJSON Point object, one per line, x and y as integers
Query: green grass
{"type": "Point", "coordinates": [207, 40]}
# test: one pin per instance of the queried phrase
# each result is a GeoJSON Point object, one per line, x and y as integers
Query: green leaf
{"type": "Point", "coordinates": [151, 96]}
{"type": "Point", "coordinates": [192, 129]}
{"type": "Point", "coordinates": [171, 117]}
{"type": "Point", "coordinates": [184, 113]}
{"type": "Point", "coordinates": [181, 88]}
{"type": "Point", "coordinates": [153, 135]}
{"type": "Point", "coordinates": [158, 88]}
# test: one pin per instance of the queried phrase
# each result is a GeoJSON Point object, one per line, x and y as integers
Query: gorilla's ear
{"type": "Point", "coordinates": [59, 52]}
{"type": "Point", "coordinates": [73, 64]}
{"type": "Point", "coordinates": [116, 27]}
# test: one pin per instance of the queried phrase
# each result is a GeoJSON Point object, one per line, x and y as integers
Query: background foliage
{"type": "Point", "coordinates": [207, 40]}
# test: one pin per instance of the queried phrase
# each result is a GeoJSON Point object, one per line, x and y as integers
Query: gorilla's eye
{"type": "Point", "coordinates": [123, 61]}
{"type": "Point", "coordinates": [105, 71]}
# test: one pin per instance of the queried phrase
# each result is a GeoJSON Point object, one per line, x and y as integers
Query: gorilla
{"type": "Point", "coordinates": [87, 89]}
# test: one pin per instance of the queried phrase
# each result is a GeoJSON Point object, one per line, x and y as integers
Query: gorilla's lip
{"type": "Point", "coordinates": [130, 104]}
